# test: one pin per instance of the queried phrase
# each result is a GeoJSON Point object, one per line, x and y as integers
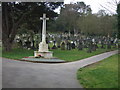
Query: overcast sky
{"type": "Point", "coordinates": [96, 4]}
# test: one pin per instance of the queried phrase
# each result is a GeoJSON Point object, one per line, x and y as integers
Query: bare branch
{"type": "Point", "coordinates": [111, 5]}
{"type": "Point", "coordinates": [106, 9]}
{"type": "Point", "coordinates": [116, 2]}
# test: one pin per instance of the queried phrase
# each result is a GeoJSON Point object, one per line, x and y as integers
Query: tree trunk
{"type": "Point", "coordinates": [7, 45]}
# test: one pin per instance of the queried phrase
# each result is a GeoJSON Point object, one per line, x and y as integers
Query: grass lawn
{"type": "Point", "coordinates": [103, 74]}
{"type": "Point", "coordinates": [66, 55]}
{"type": "Point", "coordinates": [18, 53]}
{"type": "Point", "coordinates": [73, 55]}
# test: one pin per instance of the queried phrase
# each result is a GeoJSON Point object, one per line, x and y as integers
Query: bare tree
{"type": "Point", "coordinates": [110, 6]}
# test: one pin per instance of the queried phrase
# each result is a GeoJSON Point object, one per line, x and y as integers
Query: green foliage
{"type": "Point", "coordinates": [103, 74]}
{"type": "Point", "coordinates": [69, 14]}
{"type": "Point", "coordinates": [32, 20]}
{"type": "Point", "coordinates": [100, 24]}
{"type": "Point", "coordinates": [17, 53]}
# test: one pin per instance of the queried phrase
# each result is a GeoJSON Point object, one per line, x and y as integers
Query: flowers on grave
{"type": "Point", "coordinates": [39, 55]}
{"type": "Point", "coordinates": [26, 57]}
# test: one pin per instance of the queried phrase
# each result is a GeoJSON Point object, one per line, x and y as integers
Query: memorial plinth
{"type": "Point", "coordinates": [47, 54]}
{"type": "Point", "coordinates": [43, 51]}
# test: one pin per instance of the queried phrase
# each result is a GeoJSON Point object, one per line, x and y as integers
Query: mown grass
{"type": "Point", "coordinates": [103, 74]}
{"type": "Point", "coordinates": [17, 53]}
{"type": "Point", "coordinates": [67, 55]}
{"type": "Point", "coordinates": [73, 55]}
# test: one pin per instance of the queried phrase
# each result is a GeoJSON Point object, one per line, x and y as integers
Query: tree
{"type": "Point", "coordinates": [69, 14]}
{"type": "Point", "coordinates": [118, 12]}
{"type": "Point", "coordinates": [98, 24]}
{"type": "Point", "coordinates": [88, 24]}
{"type": "Point", "coordinates": [15, 14]}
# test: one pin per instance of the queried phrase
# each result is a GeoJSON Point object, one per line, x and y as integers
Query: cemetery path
{"type": "Point", "coordinates": [19, 74]}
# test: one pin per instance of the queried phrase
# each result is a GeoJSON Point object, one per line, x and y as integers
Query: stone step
{"type": "Point", "coordinates": [43, 60]}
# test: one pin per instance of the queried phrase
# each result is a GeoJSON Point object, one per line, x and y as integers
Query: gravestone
{"type": "Point", "coordinates": [43, 46]}
{"type": "Point", "coordinates": [89, 46]}
{"type": "Point", "coordinates": [28, 44]}
{"type": "Point", "coordinates": [63, 46]}
{"type": "Point", "coordinates": [115, 43]}
{"type": "Point", "coordinates": [93, 45]}
{"type": "Point", "coordinates": [33, 44]}
{"type": "Point", "coordinates": [68, 45]}
{"type": "Point", "coordinates": [19, 41]}
{"type": "Point", "coordinates": [54, 45]}
{"type": "Point", "coordinates": [96, 43]}
{"type": "Point", "coordinates": [85, 43]}
{"type": "Point", "coordinates": [73, 45]}
{"type": "Point", "coordinates": [58, 40]}
{"type": "Point", "coordinates": [103, 43]}
{"type": "Point", "coordinates": [80, 45]}
{"type": "Point", "coordinates": [108, 43]}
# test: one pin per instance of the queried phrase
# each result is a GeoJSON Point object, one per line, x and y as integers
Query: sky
{"type": "Point", "coordinates": [97, 5]}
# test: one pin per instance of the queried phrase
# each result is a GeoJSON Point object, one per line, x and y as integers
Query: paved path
{"type": "Point", "coordinates": [19, 74]}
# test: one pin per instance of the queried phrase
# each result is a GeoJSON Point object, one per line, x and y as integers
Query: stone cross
{"type": "Point", "coordinates": [44, 27]}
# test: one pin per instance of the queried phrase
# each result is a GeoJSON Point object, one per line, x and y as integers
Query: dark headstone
{"type": "Point", "coordinates": [58, 42]}
{"type": "Point", "coordinates": [28, 44]}
{"type": "Point", "coordinates": [63, 46]}
{"type": "Point", "coordinates": [47, 41]}
{"type": "Point", "coordinates": [49, 47]}
{"type": "Point", "coordinates": [80, 45]}
{"type": "Point", "coordinates": [68, 45]}
{"type": "Point", "coordinates": [19, 42]}
{"type": "Point", "coordinates": [89, 47]}
{"type": "Point", "coordinates": [96, 45]}
{"type": "Point", "coordinates": [102, 43]}
{"type": "Point", "coordinates": [33, 45]}
{"type": "Point", "coordinates": [37, 44]}
{"type": "Point", "coordinates": [93, 47]}
{"type": "Point", "coordinates": [54, 45]}
{"type": "Point", "coordinates": [108, 44]}
{"type": "Point", "coordinates": [73, 45]}
{"type": "Point", "coordinates": [85, 45]}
